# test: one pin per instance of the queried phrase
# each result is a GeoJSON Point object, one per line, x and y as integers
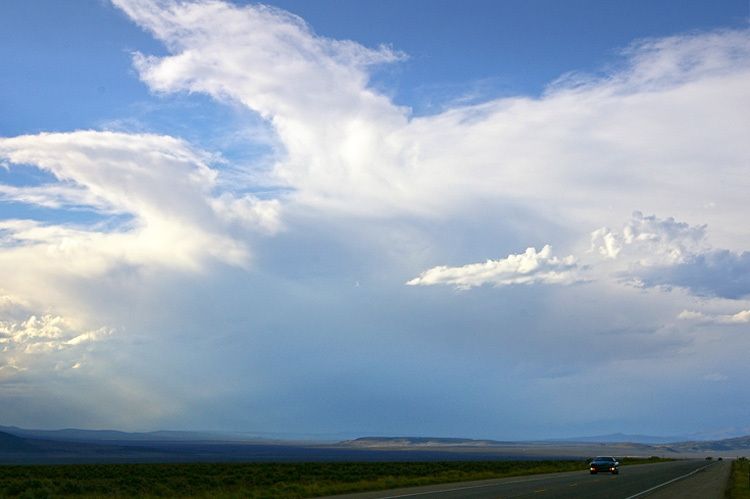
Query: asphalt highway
{"type": "Point", "coordinates": [632, 482]}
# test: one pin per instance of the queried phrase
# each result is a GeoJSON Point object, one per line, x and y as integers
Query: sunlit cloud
{"type": "Point", "coordinates": [653, 240]}
{"type": "Point", "coordinates": [45, 334]}
{"type": "Point", "coordinates": [41, 343]}
{"type": "Point", "coordinates": [154, 205]}
{"type": "Point", "coordinates": [529, 267]}
{"type": "Point", "coordinates": [164, 186]}
{"type": "Point", "coordinates": [346, 147]}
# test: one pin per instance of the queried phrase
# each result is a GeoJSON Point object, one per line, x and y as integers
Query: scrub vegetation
{"type": "Point", "coordinates": [739, 481]}
{"type": "Point", "coordinates": [254, 480]}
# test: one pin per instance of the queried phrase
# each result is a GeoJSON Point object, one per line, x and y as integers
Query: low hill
{"type": "Point", "coordinates": [620, 438]}
{"type": "Point", "coordinates": [738, 445]}
{"type": "Point", "coordinates": [418, 442]}
{"type": "Point", "coordinates": [11, 444]}
{"type": "Point", "coordinates": [727, 447]}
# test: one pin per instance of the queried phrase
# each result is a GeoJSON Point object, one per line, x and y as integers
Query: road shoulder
{"type": "Point", "coordinates": [708, 483]}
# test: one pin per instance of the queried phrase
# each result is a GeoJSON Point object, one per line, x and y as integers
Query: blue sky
{"type": "Point", "coordinates": [506, 219]}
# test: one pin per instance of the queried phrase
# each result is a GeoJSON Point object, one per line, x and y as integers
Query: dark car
{"type": "Point", "coordinates": [604, 463]}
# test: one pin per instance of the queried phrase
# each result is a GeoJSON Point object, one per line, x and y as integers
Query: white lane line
{"type": "Point", "coordinates": [439, 491]}
{"type": "Point", "coordinates": [639, 494]}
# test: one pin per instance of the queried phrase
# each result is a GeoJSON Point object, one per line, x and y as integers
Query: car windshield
{"type": "Point", "coordinates": [608, 459]}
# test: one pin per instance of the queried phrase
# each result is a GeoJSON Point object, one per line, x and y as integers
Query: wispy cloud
{"type": "Point", "coordinates": [166, 188]}
{"type": "Point", "coordinates": [716, 377]}
{"type": "Point", "coordinates": [742, 317]}
{"type": "Point", "coordinates": [313, 90]}
{"type": "Point", "coordinates": [347, 147]}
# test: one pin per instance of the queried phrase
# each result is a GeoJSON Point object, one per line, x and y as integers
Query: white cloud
{"type": "Point", "coordinates": [742, 317]}
{"type": "Point", "coordinates": [651, 240]}
{"type": "Point", "coordinates": [529, 267]}
{"type": "Point", "coordinates": [45, 334]}
{"type": "Point", "coordinates": [50, 196]}
{"type": "Point", "coordinates": [638, 137]}
{"type": "Point", "coordinates": [313, 90]}
{"type": "Point", "coordinates": [154, 205]}
{"type": "Point", "coordinates": [652, 252]}
{"type": "Point", "coordinates": [163, 185]}
{"type": "Point", "coordinates": [41, 344]}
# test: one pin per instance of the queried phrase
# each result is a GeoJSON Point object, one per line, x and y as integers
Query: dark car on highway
{"type": "Point", "coordinates": [604, 463]}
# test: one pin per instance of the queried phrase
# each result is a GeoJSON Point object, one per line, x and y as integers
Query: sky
{"type": "Point", "coordinates": [488, 219]}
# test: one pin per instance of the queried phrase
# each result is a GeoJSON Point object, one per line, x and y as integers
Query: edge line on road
{"type": "Point", "coordinates": [639, 494]}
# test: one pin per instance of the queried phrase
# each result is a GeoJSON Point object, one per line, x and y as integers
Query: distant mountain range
{"type": "Point", "coordinates": [76, 435]}
{"type": "Point", "coordinates": [79, 435]}
{"type": "Point", "coordinates": [21, 446]}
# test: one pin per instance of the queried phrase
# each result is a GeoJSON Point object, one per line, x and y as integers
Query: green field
{"type": "Point", "coordinates": [253, 480]}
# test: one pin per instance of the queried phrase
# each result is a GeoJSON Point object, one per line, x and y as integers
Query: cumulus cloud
{"type": "Point", "coordinates": [529, 267]}
{"type": "Point", "coordinates": [664, 253]}
{"type": "Point", "coordinates": [41, 343]}
{"type": "Point", "coordinates": [45, 334]}
{"type": "Point", "coordinates": [653, 240]}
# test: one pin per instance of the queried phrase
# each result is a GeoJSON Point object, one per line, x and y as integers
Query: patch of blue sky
{"type": "Point", "coordinates": [102, 90]}
{"type": "Point", "coordinates": [238, 134]}
{"type": "Point", "coordinates": [71, 91]}
{"type": "Point", "coordinates": [77, 216]}
{"type": "Point", "coordinates": [24, 175]}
